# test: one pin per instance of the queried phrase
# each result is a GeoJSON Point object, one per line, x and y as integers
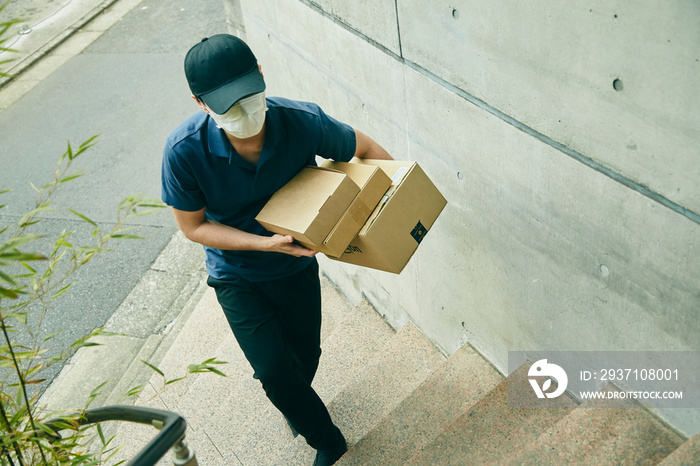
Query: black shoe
{"type": "Point", "coordinates": [329, 457]}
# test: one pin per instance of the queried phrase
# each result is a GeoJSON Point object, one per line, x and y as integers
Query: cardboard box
{"type": "Point", "coordinates": [399, 223]}
{"type": "Point", "coordinates": [373, 183]}
{"type": "Point", "coordinates": [324, 208]}
{"type": "Point", "coordinates": [310, 205]}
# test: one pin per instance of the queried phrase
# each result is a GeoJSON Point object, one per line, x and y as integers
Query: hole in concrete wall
{"type": "Point", "coordinates": [455, 13]}
{"type": "Point", "coordinates": [460, 176]}
{"type": "Point", "coordinates": [604, 270]}
{"type": "Point", "coordinates": [617, 85]}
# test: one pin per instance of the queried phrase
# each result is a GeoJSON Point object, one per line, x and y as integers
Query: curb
{"type": "Point", "coordinates": [54, 42]}
{"type": "Point", "coordinates": [115, 366]}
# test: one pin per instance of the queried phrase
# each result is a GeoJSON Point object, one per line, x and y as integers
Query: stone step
{"type": "Point", "coordinates": [349, 349]}
{"type": "Point", "coordinates": [440, 400]}
{"type": "Point", "coordinates": [346, 354]}
{"type": "Point", "coordinates": [231, 411]}
{"type": "Point", "coordinates": [200, 338]}
{"type": "Point", "coordinates": [242, 418]}
{"type": "Point", "coordinates": [686, 455]}
{"type": "Point", "coordinates": [255, 430]}
{"type": "Point", "coordinates": [598, 435]}
{"type": "Point", "coordinates": [491, 432]}
{"type": "Point", "coordinates": [395, 372]}
{"type": "Point", "coordinates": [335, 308]}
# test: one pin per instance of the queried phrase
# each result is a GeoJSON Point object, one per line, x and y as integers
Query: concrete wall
{"type": "Point", "coordinates": [572, 202]}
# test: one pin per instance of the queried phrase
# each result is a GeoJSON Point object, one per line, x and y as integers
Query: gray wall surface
{"type": "Point", "coordinates": [566, 139]}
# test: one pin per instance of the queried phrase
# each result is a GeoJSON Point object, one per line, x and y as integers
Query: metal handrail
{"type": "Point", "coordinates": [172, 428]}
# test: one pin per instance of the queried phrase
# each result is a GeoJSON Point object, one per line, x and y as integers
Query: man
{"type": "Point", "coordinates": [219, 169]}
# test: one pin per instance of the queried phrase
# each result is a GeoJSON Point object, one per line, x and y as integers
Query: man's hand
{"type": "Point", "coordinates": [197, 228]}
{"type": "Point", "coordinates": [285, 244]}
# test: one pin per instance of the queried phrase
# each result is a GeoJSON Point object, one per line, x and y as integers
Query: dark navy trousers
{"type": "Point", "coordinates": [278, 326]}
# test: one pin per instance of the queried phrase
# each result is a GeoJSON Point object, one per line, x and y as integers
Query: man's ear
{"type": "Point", "coordinates": [260, 69]}
{"type": "Point", "coordinates": [201, 104]}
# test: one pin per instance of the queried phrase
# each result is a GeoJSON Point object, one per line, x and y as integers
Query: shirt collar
{"type": "Point", "coordinates": [217, 142]}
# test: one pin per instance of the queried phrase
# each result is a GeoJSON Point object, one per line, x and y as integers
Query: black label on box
{"type": "Point", "coordinates": [419, 232]}
{"type": "Point", "coordinates": [352, 249]}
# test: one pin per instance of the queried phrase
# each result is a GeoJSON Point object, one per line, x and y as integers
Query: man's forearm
{"type": "Point", "coordinates": [367, 148]}
{"type": "Point", "coordinates": [218, 236]}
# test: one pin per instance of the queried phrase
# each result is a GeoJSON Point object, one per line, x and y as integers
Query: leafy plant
{"type": "Point", "coordinates": [30, 282]}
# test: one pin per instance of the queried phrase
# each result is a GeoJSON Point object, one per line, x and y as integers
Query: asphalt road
{"type": "Point", "coordinates": [129, 88]}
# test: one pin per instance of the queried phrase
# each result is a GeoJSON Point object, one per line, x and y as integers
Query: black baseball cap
{"type": "Point", "coordinates": [221, 70]}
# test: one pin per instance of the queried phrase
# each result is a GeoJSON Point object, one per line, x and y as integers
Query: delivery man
{"type": "Point", "coordinates": [219, 169]}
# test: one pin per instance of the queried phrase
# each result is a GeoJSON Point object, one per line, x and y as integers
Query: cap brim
{"type": "Point", "coordinates": [221, 99]}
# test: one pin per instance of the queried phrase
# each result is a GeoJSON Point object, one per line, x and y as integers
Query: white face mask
{"type": "Point", "coordinates": [245, 119]}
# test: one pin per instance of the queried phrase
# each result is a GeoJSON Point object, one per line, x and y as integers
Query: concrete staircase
{"type": "Point", "coordinates": [397, 400]}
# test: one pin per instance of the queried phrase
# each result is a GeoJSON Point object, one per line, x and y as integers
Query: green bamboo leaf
{"type": "Point", "coordinates": [62, 290]}
{"type": "Point", "coordinates": [86, 344]}
{"type": "Point", "coordinates": [61, 425]}
{"type": "Point", "coordinates": [143, 213]}
{"type": "Point", "coordinates": [28, 267]}
{"type": "Point", "coordinates": [43, 208]}
{"type": "Point", "coordinates": [7, 278]}
{"type": "Point", "coordinates": [214, 361]}
{"type": "Point", "coordinates": [22, 256]}
{"type": "Point", "coordinates": [45, 428]}
{"type": "Point", "coordinates": [101, 434]}
{"type": "Point", "coordinates": [216, 371]}
{"type": "Point", "coordinates": [83, 217]}
{"type": "Point", "coordinates": [33, 382]}
{"type": "Point", "coordinates": [122, 236]}
{"type": "Point", "coordinates": [95, 393]}
{"type": "Point", "coordinates": [72, 176]}
{"type": "Point", "coordinates": [14, 243]}
{"type": "Point", "coordinates": [34, 369]}
{"type": "Point", "coordinates": [158, 205]}
{"type": "Point", "coordinates": [53, 334]}
{"type": "Point", "coordinates": [85, 341]}
{"type": "Point", "coordinates": [87, 144]}
{"type": "Point", "coordinates": [153, 367]}
{"type": "Point", "coordinates": [12, 294]}
{"type": "Point", "coordinates": [68, 153]}
{"type": "Point", "coordinates": [91, 249]}
{"type": "Point", "coordinates": [134, 391]}
{"type": "Point", "coordinates": [174, 380]}
{"type": "Point", "coordinates": [49, 184]}
{"type": "Point", "coordinates": [18, 316]}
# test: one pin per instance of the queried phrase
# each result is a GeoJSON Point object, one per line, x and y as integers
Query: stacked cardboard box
{"type": "Point", "coordinates": [371, 213]}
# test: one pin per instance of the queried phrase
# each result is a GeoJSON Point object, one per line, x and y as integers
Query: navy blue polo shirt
{"type": "Point", "coordinates": [201, 169]}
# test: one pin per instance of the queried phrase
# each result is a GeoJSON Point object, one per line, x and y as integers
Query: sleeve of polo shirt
{"type": "Point", "coordinates": [337, 139]}
{"type": "Point", "coordinates": [179, 188]}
